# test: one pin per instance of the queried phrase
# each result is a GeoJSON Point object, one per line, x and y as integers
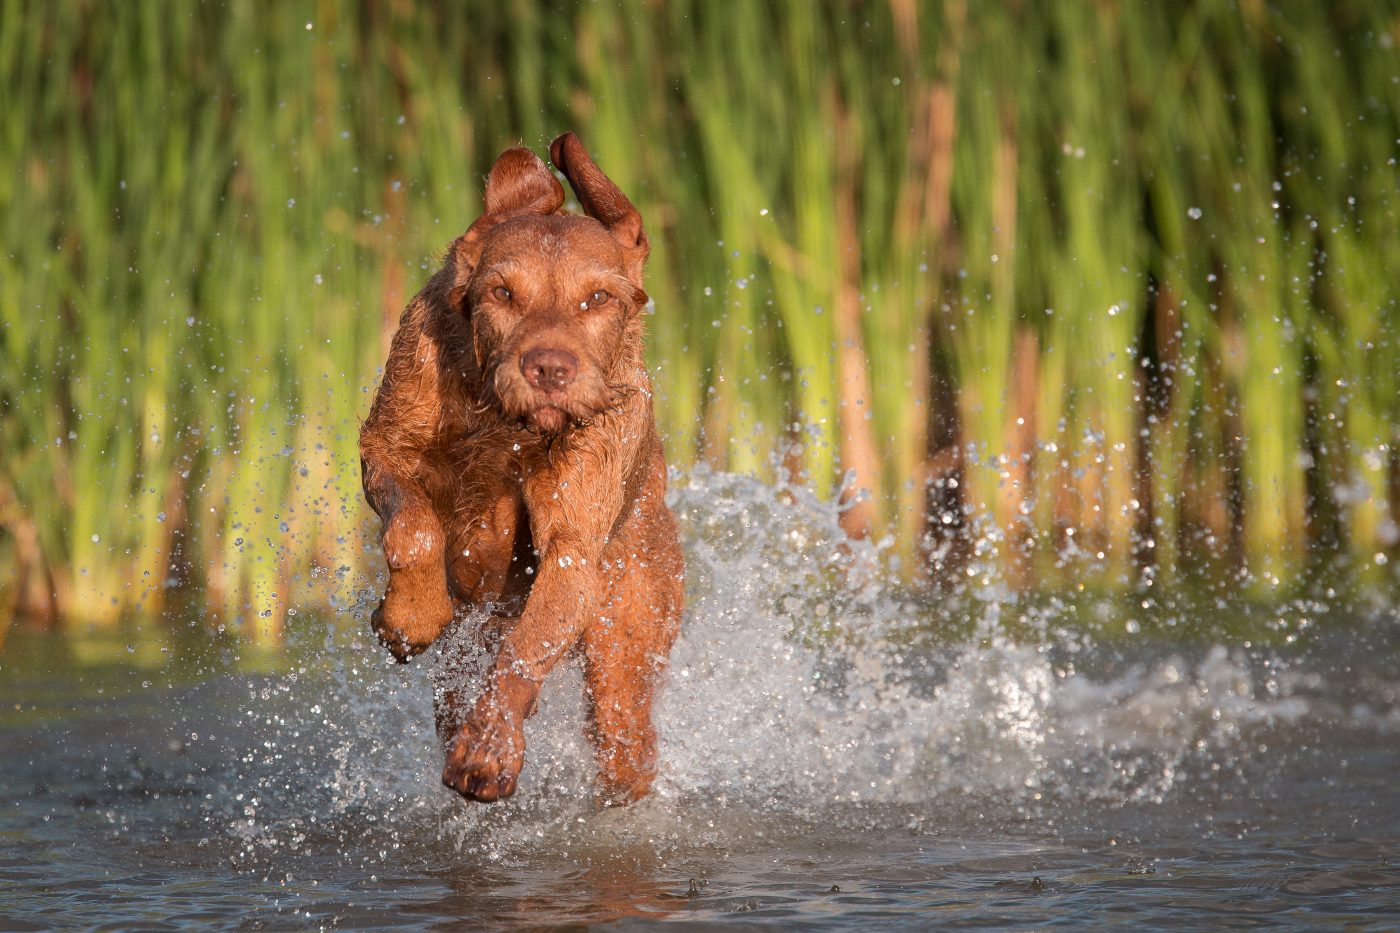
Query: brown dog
{"type": "Point", "coordinates": [512, 454]}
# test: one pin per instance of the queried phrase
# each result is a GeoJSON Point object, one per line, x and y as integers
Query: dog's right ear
{"type": "Point", "coordinates": [519, 183]}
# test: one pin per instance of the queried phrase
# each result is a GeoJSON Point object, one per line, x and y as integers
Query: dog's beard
{"type": "Point", "coordinates": [547, 419]}
{"type": "Point", "coordinates": [549, 413]}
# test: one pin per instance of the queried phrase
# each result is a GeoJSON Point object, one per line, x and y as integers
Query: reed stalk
{"type": "Point", "coordinates": [1154, 247]}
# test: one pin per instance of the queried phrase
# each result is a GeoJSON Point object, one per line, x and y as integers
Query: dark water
{"type": "Point", "coordinates": [866, 776]}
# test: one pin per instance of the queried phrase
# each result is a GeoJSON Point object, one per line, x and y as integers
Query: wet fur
{"type": "Point", "coordinates": [544, 507]}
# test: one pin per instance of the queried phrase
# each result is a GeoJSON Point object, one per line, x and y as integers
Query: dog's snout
{"type": "Point", "coordinates": [549, 368]}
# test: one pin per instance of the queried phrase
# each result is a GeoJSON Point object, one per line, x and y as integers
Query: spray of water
{"type": "Point", "coordinates": [806, 681]}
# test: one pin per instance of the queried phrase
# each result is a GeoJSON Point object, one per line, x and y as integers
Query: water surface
{"type": "Point", "coordinates": [837, 754]}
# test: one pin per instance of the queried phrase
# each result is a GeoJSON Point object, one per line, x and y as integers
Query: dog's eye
{"type": "Point", "coordinates": [598, 299]}
{"type": "Point", "coordinates": [501, 293]}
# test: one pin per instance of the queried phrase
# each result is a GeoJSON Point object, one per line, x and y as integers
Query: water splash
{"type": "Point", "coordinates": [805, 680]}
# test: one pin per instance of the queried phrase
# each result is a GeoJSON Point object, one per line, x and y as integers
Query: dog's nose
{"type": "Point", "coordinates": [549, 368]}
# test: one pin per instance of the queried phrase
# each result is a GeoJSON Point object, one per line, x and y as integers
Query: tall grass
{"type": "Point", "coordinates": [1117, 281]}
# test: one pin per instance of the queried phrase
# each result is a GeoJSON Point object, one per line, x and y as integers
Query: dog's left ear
{"type": "Point", "coordinates": [603, 201]}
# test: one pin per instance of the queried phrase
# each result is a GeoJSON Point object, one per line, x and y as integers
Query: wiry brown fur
{"type": "Point", "coordinates": [539, 502]}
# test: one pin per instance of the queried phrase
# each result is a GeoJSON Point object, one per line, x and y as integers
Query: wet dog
{"type": "Point", "coordinates": [511, 452]}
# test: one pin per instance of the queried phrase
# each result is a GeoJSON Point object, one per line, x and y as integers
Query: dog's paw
{"type": "Point", "coordinates": [394, 637]}
{"type": "Point", "coordinates": [620, 788]}
{"type": "Point", "coordinates": [412, 614]}
{"type": "Point", "coordinates": [416, 607]}
{"type": "Point", "coordinates": [484, 761]}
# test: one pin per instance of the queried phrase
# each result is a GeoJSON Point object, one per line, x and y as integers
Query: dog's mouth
{"type": "Point", "coordinates": [548, 412]}
{"type": "Point", "coordinates": [548, 419]}
{"type": "Point", "coordinates": [551, 410]}
{"type": "Point", "coordinates": [553, 415]}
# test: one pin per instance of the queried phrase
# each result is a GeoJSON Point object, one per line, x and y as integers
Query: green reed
{"type": "Point", "coordinates": [1122, 276]}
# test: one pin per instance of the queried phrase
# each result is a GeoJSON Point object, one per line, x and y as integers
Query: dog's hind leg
{"type": "Point", "coordinates": [619, 686]}
{"type": "Point", "coordinates": [624, 652]}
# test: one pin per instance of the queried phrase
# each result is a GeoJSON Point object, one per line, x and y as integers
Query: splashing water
{"type": "Point", "coordinates": [804, 681]}
{"type": "Point", "coordinates": [833, 745]}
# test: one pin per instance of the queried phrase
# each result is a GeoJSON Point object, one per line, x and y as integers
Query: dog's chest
{"type": "Point", "coordinates": [493, 558]}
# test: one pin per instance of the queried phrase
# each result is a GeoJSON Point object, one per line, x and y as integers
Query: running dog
{"type": "Point", "coordinates": [512, 454]}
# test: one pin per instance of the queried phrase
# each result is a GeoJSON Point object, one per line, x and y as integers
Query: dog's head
{"type": "Point", "coordinates": [553, 299]}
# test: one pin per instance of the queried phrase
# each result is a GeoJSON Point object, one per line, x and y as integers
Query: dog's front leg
{"type": "Point", "coordinates": [416, 606]}
{"type": "Point", "coordinates": [402, 465]}
{"type": "Point", "coordinates": [485, 760]}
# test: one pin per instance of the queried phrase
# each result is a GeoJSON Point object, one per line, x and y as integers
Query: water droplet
{"type": "Point", "coordinates": [1194, 213]}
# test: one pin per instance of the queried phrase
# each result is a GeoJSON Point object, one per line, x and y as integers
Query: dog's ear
{"type": "Point", "coordinates": [519, 183]}
{"type": "Point", "coordinates": [602, 200]}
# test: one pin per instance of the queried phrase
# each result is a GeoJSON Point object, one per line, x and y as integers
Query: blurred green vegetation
{"type": "Point", "coordinates": [1084, 292]}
